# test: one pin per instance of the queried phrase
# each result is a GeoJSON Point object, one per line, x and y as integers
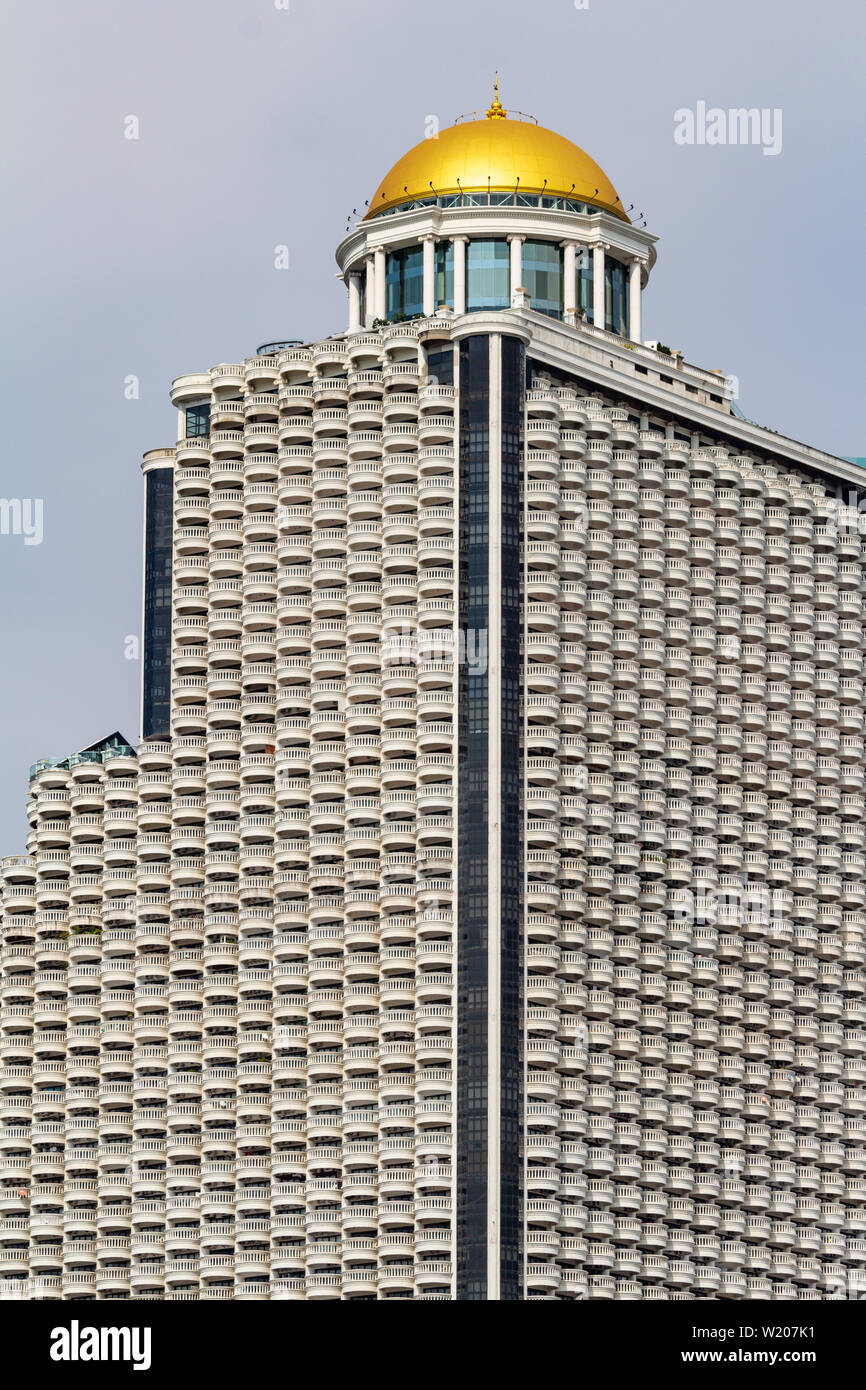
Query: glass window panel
{"type": "Point", "coordinates": [615, 296]}
{"type": "Point", "coordinates": [413, 281]}
{"type": "Point", "coordinates": [445, 273]}
{"type": "Point", "coordinates": [440, 366]}
{"type": "Point", "coordinates": [583, 287]}
{"type": "Point", "coordinates": [197, 421]}
{"type": "Point", "coordinates": [404, 283]}
{"type": "Point", "coordinates": [488, 275]}
{"type": "Point", "coordinates": [393, 284]}
{"type": "Point", "coordinates": [542, 276]}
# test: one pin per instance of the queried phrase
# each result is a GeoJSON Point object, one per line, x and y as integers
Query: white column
{"type": "Point", "coordinates": [634, 291]}
{"type": "Point", "coordinates": [354, 302]}
{"type": "Point", "coordinates": [598, 284]}
{"type": "Point", "coordinates": [369, 292]}
{"type": "Point", "coordinates": [569, 276]}
{"type": "Point", "coordinates": [428, 244]}
{"type": "Point", "coordinates": [459, 244]}
{"type": "Point", "coordinates": [516, 263]}
{"type": "Point", "coordinates": [379, 278]}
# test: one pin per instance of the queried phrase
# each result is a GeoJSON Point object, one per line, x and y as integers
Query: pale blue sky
{"type": "Point", "coordinates": [262, 126]}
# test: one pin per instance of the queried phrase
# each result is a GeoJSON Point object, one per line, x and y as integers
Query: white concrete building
{"type": "Point", "coordinates": [482, 914]}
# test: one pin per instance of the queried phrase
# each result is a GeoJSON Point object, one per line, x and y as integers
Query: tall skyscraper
{"type": "Point", "coordinates": [481, 916]}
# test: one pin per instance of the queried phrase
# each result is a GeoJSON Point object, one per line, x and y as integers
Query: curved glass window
{"type": "Point", "coordinates": [615, 296]}
{"type": "Point", "coordinates": [542, 276]}
{"type": "Point", "coordinates": [404, 283]}
{"type": "Point", "coordinates": [488, 275]}
{"type": "Point", "coordinates": [505, 198]}
{"type": "Point", "coordinates": [444, 273]}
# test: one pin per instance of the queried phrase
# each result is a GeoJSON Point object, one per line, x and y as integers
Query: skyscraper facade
{"type": "Point", "coordinates": [481, 915]}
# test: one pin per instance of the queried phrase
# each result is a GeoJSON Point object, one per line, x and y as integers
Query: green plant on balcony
{"type": "Point", "coordinates": [396, 318]}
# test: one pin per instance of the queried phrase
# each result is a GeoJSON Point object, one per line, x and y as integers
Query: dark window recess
{"type": "Point", "coordinates": [440, 366]}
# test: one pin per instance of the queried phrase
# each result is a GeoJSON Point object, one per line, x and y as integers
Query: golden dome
{"type": "Point", "coordinates": [496, 153]}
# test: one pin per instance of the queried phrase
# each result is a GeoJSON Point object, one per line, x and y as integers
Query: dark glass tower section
{"type": "Point", "coordinates": [156, 673]}
{"type": "Point", "coordinates": [491, 414]}
{"type": "Point", "coordinates": [472, 989]}
{"type": "Point", "coordinates": [511, 1063]}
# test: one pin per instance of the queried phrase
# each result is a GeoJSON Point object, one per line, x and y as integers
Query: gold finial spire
{"type": "Point", "coordinates": [496, 112]}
